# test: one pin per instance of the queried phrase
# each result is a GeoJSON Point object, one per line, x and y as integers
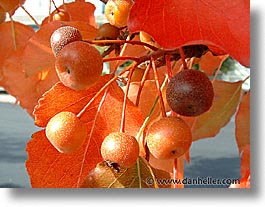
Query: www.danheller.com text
{"type": "Point", "coordinates": [194, 181]}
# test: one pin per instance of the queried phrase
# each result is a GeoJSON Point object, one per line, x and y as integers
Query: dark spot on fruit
{"type": "Point", "coordinates": [173, 152]}
{"type": "Point", "coordinates": [67, 70]}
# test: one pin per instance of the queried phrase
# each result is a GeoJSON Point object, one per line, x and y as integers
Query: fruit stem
{"type": "Point", "coordinates": [132, 42]}
{"type": "Point", "coordinates": [100, 91]}
{"type": "Point", "coordinates": [169, 70]}
{"type": "Point", "coordinates": [122, 129]}
{"type": "Point", "coordinates": [142, 84]}
{"type": "Point", "coordinates": [162, 106]}
{"type": "Point", "coordinates": [147, 119]}
{"type": "Point", "coordinates": [30, 16]}
{"type": "Point", "coordinates": [55, 6]}
{"type": "Point", "coordinates": [182, 55]}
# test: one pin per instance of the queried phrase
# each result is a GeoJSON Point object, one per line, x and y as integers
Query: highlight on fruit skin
{"type": "Point", "coordinates": [190, 93]}
{"type": "Point", "coordinates": [63, 36]}
{"type": "Point", "coordinates": [120, 148]}
{"type": "Point", "coordinates": [169, 138]}
{"type": "Point", "coordinates": [79, 65]}
{"type": "Point", "coordinates": [61, 15]}
{"type": "Point", "coordinates": [66, 132]}
{"type": "Point", "coordinates": [117, 12]}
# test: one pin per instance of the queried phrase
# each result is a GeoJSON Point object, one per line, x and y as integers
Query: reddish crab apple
{"type": "Point", "coordinates": [79, 65]}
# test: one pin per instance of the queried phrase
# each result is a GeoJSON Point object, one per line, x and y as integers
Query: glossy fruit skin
{"type": "Point", "coordinates": [61, 15]}
{"type": "Point", "coordinates": [66, 132]}
{"type": "Point", "coordinates": [63, 36]}
{"type": "Point", "coordinates": [117, 12]}
{"type": "Point", "coordinates": [108, 31]}
{"type": "Point", "coordinates": [190, 93]}
{"type": "Point", "coordinates": [79, 65]}
{"type": "Point", "coordinates": [120, 148]}
{"type": "Point", "coordinates": [169, 138]}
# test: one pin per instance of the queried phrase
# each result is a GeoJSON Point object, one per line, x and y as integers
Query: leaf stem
{"type": "Point", "coordinates": [162, 105]}
{"type": "Point", "coordinates": [55, 6]}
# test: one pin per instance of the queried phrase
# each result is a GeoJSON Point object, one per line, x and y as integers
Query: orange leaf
{"type": "Point", "coordinates": [243, 123]}
{"type": "Point", "coordinates": [38, 55]}
{"type": "Point", "coordinates": [8, 43]}
{"type": "Point", "coordinates": [26, 89]}
{"type": "Point", "coordinates": [79, 11]}
{"type": "Point", "coordinates": [209, 63]}
{"type": "Point", "coordinates": [226, 99]}
{"type": "Point", "coordinates": [49, 168]}
{"type": "Point", "coordinates": [245, 162]}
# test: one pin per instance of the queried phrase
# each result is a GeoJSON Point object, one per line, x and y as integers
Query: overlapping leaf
{"type": "Point", "coordinates": [49, 168]}
{"type": "Point", "coordinates": [176, 23]}
{"type": "Point", "coordinates": [26, 89]}
{"type": "Point", "coordinates": [226, 99]}
{"type": "Point", "coordinates": [141, 175]}
{"type": "Point", "coordinates": [243, 123]}
{"type": "Point", "coordinates": [13, 36]}
{"type": "Point", "coordinates": [78, 11]}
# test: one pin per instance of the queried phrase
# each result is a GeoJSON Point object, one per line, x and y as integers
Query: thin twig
{"type": "Point", "coordinates": [169, 69]}
{"type": "Point", "coordinates": [132, 42]}
{"type": "Point", "coordinates": [30, 16]}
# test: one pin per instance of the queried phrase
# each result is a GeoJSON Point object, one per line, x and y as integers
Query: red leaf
{"type": "Point", "coordinates": [49, 168]}
{"type": "Point", "coordinates": [243, 123]}
{"type": "Point", "coordinates": [219, 23]}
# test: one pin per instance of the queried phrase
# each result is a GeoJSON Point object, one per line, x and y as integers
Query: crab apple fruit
{"type": "Point", "coordinates": [108, 31]}
{"type": "Point", "coordinates": [120, 148]}
{"type": "Point", "coordinates": [117, 12]}
{"type": "Point", "coordinates": [61, 15]}
{"type": "Point", "coordinates": [66, 132]}
{"type": "Point", "coordinates": [63, 36]}
{"type": "Point", "coordinates": [169, 138]}
{"type": "Point", "coordinates": [79, 65]}
{"type": "Point", "coordinates": [190, 93]}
